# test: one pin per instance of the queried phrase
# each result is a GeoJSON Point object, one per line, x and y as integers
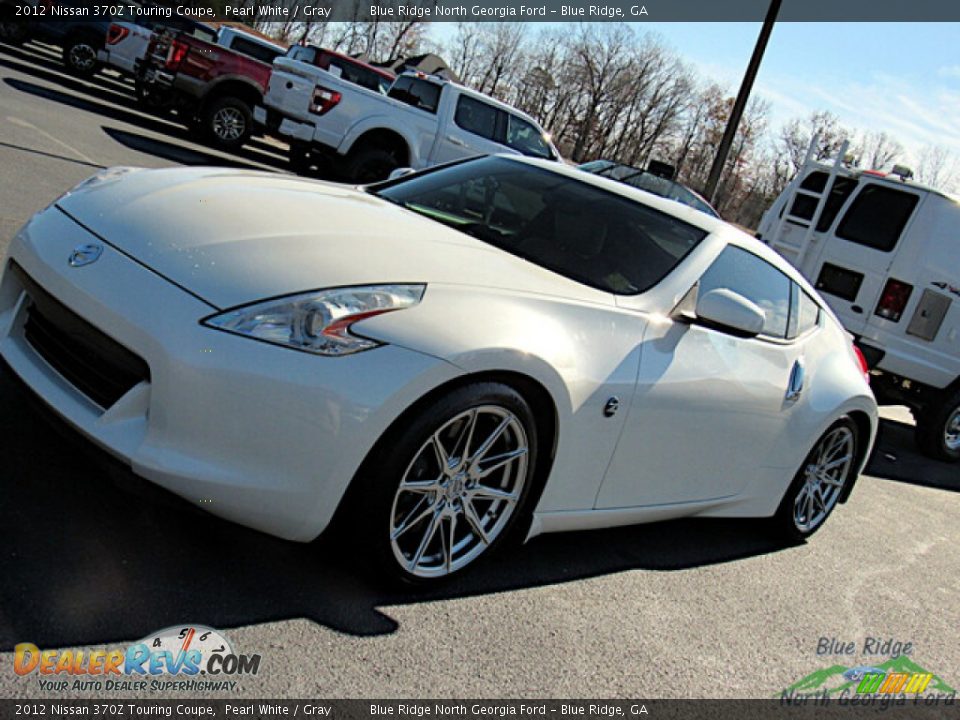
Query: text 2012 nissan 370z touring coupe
{"type": "Point", "coordinates": [497, 347]}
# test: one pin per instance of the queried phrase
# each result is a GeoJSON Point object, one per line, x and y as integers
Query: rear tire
{"type": "Point", "coordinates": [371, 164]}
{"type": "Point", "coordinates": [80, 57]}
{"type": "Point", "coordinates": [11, 31]}
{"type": "Point", "coordinates": [938, 429]}
{"type": "Point", "coordinates": [819, 484]}
{"type": "Point", "coordinates": [227, 122]}
{"type": "Point", "coordinates": [435, 497]}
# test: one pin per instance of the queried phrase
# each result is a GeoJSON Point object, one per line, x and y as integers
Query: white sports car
{"type": "Point", "coordinates": [497, 347]}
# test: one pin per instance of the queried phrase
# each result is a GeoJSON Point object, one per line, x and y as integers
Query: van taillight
{"type": "Point", "coordinates": [893, 300]}
{"type": "Point", "coordinates": [176, 53]}
{"type": "Point", "coordinates": [324, 100]}
{"type": "Point", "coordinates": [116, 33]}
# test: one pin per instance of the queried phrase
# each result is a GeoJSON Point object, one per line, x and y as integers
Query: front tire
{"type": "Point", "coordinates": [228, 122]}
{"type": "Point", "coordinates": [80, 57]}
{"type": "Point", "coordinates": [938, 429]}
{"type": "Point", "coordinates": [449, 488]}
{"type": "Point", "coordinates": [371, 164]}
{"type": "Point", "coordinates": [819, 483]}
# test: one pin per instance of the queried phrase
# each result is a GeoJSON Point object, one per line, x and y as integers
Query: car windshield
{"type": "Point", "coordinates": [570, 227]}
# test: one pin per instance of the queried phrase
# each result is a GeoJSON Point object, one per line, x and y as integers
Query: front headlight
{"type": "Point", "coordinates": [319, 321]}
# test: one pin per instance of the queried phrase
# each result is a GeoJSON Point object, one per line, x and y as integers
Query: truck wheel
{"type": "Point", "coordinates": [370, 165]}
{"type": "Point", "coordinates": [80, 57]}
{"type": "Point", "coordinates": [300, 158]}
{"type": "Point", "coordinates": [148, 98]}
{"type": "Point", "coordinates": [228, 122]}
{"type": "Point", "coordinates": [938, 429]}
{"type": "Point", "coordinates": [11, 31]}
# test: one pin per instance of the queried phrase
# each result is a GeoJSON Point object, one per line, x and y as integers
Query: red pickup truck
{"type": "Point", "coordinates": [214, 85]}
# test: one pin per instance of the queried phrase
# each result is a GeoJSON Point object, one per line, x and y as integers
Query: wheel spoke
{"type": "Point", "coordinates": [486, 493]}
{"type": "Point", "coordinates": [825, 479]}
{"type": "Point", "coordinates": [413, 517]}
{"type": "Point", "coordinates": [441, 454]}
{"type": "Point", "coordinates": [488, 443]}
{"type": "Point", "coordinates": [461, 448]}
{"type": "Point", "coordinates": [448, 542]}
{"type": "Point", "coordinates": [470, 512]}
{"type": "Point", "coordinates": [427, 537]}
{"type": "Point", "coordinates": [499, 461]}
{"type": "Point", "coordinates": [420, 486]}
{"type": "Point", "coordinates": [836, 463]}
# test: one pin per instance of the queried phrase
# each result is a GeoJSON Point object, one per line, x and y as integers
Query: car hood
{"type": "Point", "coordinates": [233, 236]}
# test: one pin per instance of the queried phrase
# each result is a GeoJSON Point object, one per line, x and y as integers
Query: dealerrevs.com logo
{"type": "Point", "coordinates": [186, 657]}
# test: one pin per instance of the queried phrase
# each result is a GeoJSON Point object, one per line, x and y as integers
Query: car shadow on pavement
{"type": "Point", "coordinates": [171, 151]}
{"type": "Point", "coordinates": [255, 153]}
{"type": "Point", "coordinates": [91, 554]}
{"type": "Point", "coordinates": [52, 71]}
{"type": "Point", "coordinates": [896, 457]}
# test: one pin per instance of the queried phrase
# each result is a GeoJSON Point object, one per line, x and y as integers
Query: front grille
{"type": "Point", "coordinates": [95, 364]}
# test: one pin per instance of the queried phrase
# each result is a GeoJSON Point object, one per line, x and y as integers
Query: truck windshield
{"type": "Point", "coordinates": [570, 227]}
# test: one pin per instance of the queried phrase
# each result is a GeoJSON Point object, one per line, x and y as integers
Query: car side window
{"type": "Point", "coordinates": [524, 137]}
{"type": "Point", "coordinates": [877, 217]}
{"type": "Point", "coordinates": [418, 93]}
{"type": "Point", "coordinates": [476, 117]}
{"type": "Point", "coordinates": [257, 51]}
{"type": "Point", "coordinates": [757, 280]}
{"type": "Point", "coordinates": [804, 205]}
{"type": "Point", "coordinates": [807, 314]}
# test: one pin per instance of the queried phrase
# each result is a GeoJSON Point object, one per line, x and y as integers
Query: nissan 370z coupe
{"type": "Point", "coordinates": [503, 346]}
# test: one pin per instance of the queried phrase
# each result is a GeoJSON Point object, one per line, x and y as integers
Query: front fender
{"type": "Point", "coordinates": [583, 354]}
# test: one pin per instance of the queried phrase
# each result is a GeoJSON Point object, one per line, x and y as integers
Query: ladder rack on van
{"type": "Point", "coordinates": [796, 252]}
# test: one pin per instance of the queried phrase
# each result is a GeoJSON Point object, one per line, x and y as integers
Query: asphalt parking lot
{"type": "Point", "coordinates": [92, 557]}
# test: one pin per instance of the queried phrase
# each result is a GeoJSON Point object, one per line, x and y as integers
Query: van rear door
{"type": "Point", "coordinates": [851, 260]}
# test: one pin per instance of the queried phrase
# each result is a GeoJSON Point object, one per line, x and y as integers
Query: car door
{"type": "Point", "coordinates": [709, 407]}
{"type": "Point", "coordinates": [471, 129]}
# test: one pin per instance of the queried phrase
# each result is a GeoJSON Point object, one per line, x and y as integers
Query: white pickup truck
{"type": "Point", "coordinates": [423, 120]}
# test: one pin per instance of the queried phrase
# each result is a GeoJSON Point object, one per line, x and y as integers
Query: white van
{"type": "Point", "coordinates": [885, 254]}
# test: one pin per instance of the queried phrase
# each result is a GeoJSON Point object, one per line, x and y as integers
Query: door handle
{"type": "Point", "coordinates": [795, 385]}
{"type": "Point", "coordinates": [456, 141]}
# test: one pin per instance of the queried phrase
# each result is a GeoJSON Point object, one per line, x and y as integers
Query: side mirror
{"type": "Point", "coordinates": [400, 172]}
{"type": "Point", "coordinates": [730, 311]}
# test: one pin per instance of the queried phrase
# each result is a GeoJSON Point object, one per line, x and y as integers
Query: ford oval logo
{"type": "Point", "coordinates": [85, 254]}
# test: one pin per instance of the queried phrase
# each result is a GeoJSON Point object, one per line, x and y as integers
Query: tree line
{"type": "Point", "coordinates": [608, 91]}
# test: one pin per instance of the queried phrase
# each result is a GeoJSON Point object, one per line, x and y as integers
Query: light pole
{"type": "Point", "coordinates": [737, 112]}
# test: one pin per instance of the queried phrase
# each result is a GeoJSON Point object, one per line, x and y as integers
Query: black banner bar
{"type": "Point", "coordinates": [644, 11]}
{"type": "Point", "coordinates": [812, 707]}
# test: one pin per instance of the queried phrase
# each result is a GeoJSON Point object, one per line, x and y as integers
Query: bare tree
{"type": "Point", "coordinates": [937, 167]}
{"type": "Point", "coordinates": [877, 150]}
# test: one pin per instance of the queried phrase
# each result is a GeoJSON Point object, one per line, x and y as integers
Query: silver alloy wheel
{"type": "Point", "coordinates": [459, 492]}
{"type": "Point", "coordinates": [951, 431]}
{"type": "Point", "coordinates": [83, 57]}
{"type": "Point", "coordinates": [824, 479]}
{"type": "Point", "coordinates": [228, 123]}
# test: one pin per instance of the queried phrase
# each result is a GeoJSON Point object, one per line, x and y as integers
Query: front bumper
{"type": "Point", "coordinates": [261, 435]}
